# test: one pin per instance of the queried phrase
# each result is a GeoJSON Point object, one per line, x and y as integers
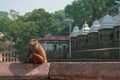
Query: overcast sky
{"type": "Point", "coordinates": [24, 6]}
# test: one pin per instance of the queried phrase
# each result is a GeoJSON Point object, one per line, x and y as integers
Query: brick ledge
{"type": "Point", "coordinates": [61, 71]}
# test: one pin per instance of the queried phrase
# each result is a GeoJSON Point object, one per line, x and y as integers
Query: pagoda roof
{"type": "Point", "coordinates": [107, 22]}
{"type": "Point", "coordinates": [95, 26]}
{"type": "Point", "coordinates": [75, 32]}
{"type": "Point", "coordinates": [85, 29]}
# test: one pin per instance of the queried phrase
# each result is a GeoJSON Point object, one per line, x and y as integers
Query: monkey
{"type": "Point", "coordinates": [36, 53]}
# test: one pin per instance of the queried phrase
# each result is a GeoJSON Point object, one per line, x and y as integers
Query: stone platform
{"type": "Point", "coordinates": [61, 71]}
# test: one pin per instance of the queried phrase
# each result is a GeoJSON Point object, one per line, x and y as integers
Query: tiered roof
{"type": "Point", "coordinates": [75, 32]}
{"type": "Point", "coordinates": [95, 26]}
{"type": "Point", "coordinates": [85, 29]}
{"type": "Point", "coordinates": [107, 22]}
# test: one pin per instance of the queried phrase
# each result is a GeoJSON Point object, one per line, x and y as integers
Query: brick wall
{"type": "Point", "coordinates": [102, 54]}
{"type": "Point", "coordinates": [19, 71]}
{"type": "Point", "coordinates": [61, 71]}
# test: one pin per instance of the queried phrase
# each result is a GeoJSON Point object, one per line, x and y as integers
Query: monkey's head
{"type": "Point", "coordinates": [33, 44]}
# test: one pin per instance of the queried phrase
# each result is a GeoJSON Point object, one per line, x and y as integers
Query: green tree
{"type": "Point", "coordinates": [59, 17]}
{"type": "Point", "coordinates": [9, 28]}
{"type": "Point", "coordinates": [3, 14]}
{"type": "Point", "coordinates": [45, 21]}
{"type": "Point", "coordinates": [88, 10]}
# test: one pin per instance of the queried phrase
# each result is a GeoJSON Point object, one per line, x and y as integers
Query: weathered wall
{"type": "Point", "coordinates": [102, 54]}
{"type": "Point", "coordinates": [61, 71]}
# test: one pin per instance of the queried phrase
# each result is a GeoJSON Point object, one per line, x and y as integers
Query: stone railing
{"type": "Point", "coordinates": [61, 71]}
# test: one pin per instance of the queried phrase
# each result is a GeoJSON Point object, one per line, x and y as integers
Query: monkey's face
{"type": "Point", "coordinates": [33, 44]}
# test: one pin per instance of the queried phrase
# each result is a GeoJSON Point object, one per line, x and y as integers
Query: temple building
{"type": "Point", "coordinates": [55, 44]}
{"type": "Point", "coordinates": [99, 41]}
{"type": "Point", "coordinates": [83, 37]}
{"type": "Point", "coordinates": [93, 35]}
{"type": "Point", "coordinates": [104, 33]}
{"type": "Point", "coordinates": [74, 39]}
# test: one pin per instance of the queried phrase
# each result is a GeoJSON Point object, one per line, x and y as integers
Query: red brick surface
{"type": "Point", "coordinates": [15, 71]}
{"type": "Point", "coordinates": [61, 71]}
{"type": "Point", "coordinates": [85, 71]}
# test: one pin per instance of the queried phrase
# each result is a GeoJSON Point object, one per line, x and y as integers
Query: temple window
{"type": "Point", "coordinates": [9, 54]}
{"type": "Point", "coordinates": [90, 39]}
{"type": "Point", "coordinates": [100, 36]}
{"type": "Point", "coordinates": [111, 36]}
{"type": "Point", "coordinates": [64, 47]}
{"type": "Point", "coordinates": [9, 60]}
{"type": "Point", "coordinates": [12, 60]}
{"type": "Point", "coordinates": [55, 47]}
{"type": "Point", "coordinates": [87, 40]}
{"type": "Point", "coordinates": [117, 34]}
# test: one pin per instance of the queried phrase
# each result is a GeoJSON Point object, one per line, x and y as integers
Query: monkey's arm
{"type": "Point", "coordinates": [42, 53]}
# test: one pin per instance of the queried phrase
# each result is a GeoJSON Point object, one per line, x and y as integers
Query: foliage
{"type": "Point", "coordinates": [59, 17]}
{"type": "Point", "coordinates": [3, 14]}
{"type": "Point", "coordinates": [44, 20]}
{"type": "Point", "coordinates": [9, 28]}
{"type": "Point", "coordinates": [88, 10]}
